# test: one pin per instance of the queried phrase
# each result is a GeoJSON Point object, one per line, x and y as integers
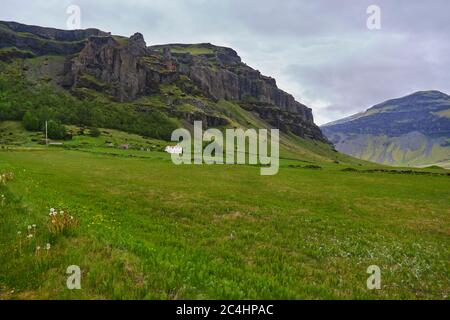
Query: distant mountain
{"type": "Point", "coordinates": [408, 131]}
{"type": "Point", "coordinates": [121, 83]}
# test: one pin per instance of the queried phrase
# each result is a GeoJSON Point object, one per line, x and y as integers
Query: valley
{"type": "Point", "coordinates": [148, 229]}
{"type": "Point", "coordinates": [102, 195]}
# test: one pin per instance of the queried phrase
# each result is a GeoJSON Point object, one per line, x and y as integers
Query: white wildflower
{"type": "Point", "coordinates": [47, 247]}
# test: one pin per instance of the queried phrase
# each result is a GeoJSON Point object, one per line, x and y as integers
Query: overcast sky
{"type": "Point", "coordinates": [320, 51]}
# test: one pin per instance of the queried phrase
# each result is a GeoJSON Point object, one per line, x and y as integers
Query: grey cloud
{"type": "Point", "coordinates": [374, 71]}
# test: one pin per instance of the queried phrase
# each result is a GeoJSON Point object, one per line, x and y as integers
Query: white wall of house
{"type": "Point", "coordinates": [174, 149]}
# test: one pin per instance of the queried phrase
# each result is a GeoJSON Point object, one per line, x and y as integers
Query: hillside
{"type": "Point", "coordinates": [409, 131]}
{"type": "Point", "coordinates": [91, 78]}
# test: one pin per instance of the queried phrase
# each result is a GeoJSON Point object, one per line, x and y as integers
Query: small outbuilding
{"type": "Point", "coordinates": [125, 146]}
{"type": "Point", "coordinates": [174, 149]}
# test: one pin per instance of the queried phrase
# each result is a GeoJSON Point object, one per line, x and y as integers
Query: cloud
{"type": "Point", "coordinates": [373, 72]}
{"type": "Point", "coordinates": [320, 51]}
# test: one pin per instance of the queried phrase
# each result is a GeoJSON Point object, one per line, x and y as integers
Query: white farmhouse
{"type": "Point", "coordinates": [174, 149]}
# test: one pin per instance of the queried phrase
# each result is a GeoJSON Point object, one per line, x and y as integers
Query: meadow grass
{"type": "Point", "coordinates": [148, 229]}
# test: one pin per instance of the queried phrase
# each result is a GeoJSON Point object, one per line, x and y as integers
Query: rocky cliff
{"type": "Point", "coordinates": [127, 70]}
{"type": "Point", "coordinates": [220, 73]}
{"type": "Point", "coordinates": [44, 41]}
{"type": "Point", "coordinates": [121, 64]}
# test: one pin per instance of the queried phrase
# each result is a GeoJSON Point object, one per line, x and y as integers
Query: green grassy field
{"type": "Point", "coordinates": [151, 230]}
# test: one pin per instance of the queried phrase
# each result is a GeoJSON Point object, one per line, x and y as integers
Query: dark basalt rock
{"type": "Point", "coordinates": [55, 34]}
{"type": "Point", "coordinates": [236, 81]}
{"type": "Point", "coordinates": [294, 121]}
{"type": "Point", "coordinates": [44, 41]}
{"type": "Point", "coordinates": [117, 65]}
{"type": "Point", "coordinates": [136, 45]}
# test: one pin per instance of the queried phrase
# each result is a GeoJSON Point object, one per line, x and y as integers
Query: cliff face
{"type": "Point", "coordinates": [220, 74]}
{"type": "Point", "coordinates": [118, 63]}
{"type": "Point", "coordinates": [223, 75]}
{"type": "Point", "coordinates": [44, 41]}
{"type": "Point", "coordinates": [55, 34]}
{"type": "Point", "coordinates": [126, 69]}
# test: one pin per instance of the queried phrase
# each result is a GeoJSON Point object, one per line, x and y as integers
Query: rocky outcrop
{"type": "Point", "coordinates": [44, 41]}
{"type": "Point", "coordinates": [126, 69]}
{"type": "Point", "coordinates": [105, 59]}
{"type": "Point", "coordinates": [119, 63]}
{"type": "Point", "coordinates": [55, 34]}
{"type": "Point", "coordinates": [287, 121]}
{"type": "Point", "coordinates": [222, 75]}
{"type": "Point", "coordinates": [12, 53]}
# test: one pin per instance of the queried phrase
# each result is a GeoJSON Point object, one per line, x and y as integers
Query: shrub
{"type": "Point", "coordinates": [94, 132]}
{"type": "Point", "coordinates": [31, 122]}
{"type": "Point", "coordinates": [312, 166]}
{"type": "Point", "coordinates": [56, 130]}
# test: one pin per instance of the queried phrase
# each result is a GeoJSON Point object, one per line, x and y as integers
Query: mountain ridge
{"type": "Point", "coordinates": [411, 130]}
{"type": "Point", "coordinates": [126, 69]}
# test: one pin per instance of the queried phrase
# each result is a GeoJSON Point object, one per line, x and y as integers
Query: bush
{"type": "Point", "coordinates": [56, 130]}
{"type": "Point", "coordinates": [94, 132]}
{"type": "Point", "coordinates": [31, 122]}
